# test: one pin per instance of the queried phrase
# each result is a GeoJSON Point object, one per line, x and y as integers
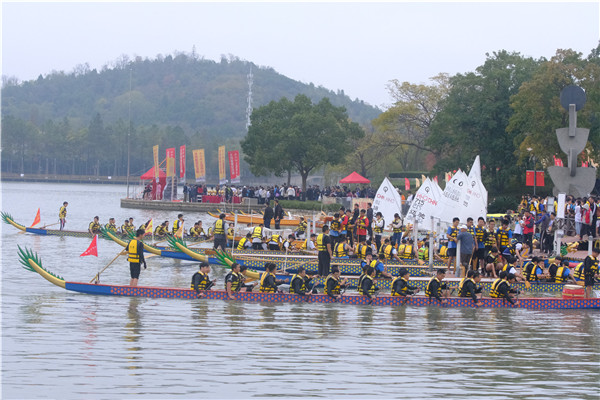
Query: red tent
{"type": "Point", "coordinates": [162, 182]}
{"type": "Point", "coordinates": [355, 178]}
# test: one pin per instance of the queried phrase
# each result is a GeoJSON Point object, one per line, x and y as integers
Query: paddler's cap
{"type": "Point", "coordinates": [463, 227]}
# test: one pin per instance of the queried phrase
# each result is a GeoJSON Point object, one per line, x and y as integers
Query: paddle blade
{"type": "Point", "coordinates": [527, 284]}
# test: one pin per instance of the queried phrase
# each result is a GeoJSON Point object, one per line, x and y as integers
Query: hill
{"type": "Point", "coordinates": [180, 99]}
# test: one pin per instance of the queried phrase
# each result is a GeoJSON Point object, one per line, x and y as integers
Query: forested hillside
{"type": "Point", "coordinates": [78, 122]}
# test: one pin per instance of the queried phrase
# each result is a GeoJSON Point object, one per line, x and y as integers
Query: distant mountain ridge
{"type": "Point", "coordinates": [203, 97]}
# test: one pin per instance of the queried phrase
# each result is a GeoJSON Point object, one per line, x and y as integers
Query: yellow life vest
{"type": "Point", "coordinates": [176, 226]}
{"type": "Point", "coordinates": [321, 246]}
{"type": "Point", "coordinates": [302, 226]}
{"type": "Point", "coordinates": [405, 251]}
{"type": "Point", "coordinates": [274, 240]}
{"type": "Point", "coordinates": [62, 213]}
{"type": "Point", "coordinates": [529, 270]}
{"type": "Point", "coordinates": [94, 227]}
{"type": "Point", "coordinates": [502, 236]}
{"type": "Point", "coordinates": [111, 227]}
{"type": "Point", "coordinates": [242, 243]}
{"type": "Point", "coordinates": [230, 232]}
{"type": "Point", "coordinates": [424, 253]}
{"type": "Point", "coordinates": [203, 283]}
{"type": "Point", "coordinates": [264, 289]}
{"type": "Point", "coordinates": [219, 227]}
{"type": "Point", "coordinates": [404, 289]}
{"type": "Point", "coordinates": [494, 289]}
{"type": "Point", "coordinates": [507, 267]}
{"type": "Point", "coordinates": [579, 272]}
{"type": "Point", "coordinates": [399, 229]}
{"type": "Point", "coordinates": [302, 285]}
{"type": "Point", "coordinates": [461, 292]}
{"type": "Point", "coordinates": [361, 250]}
{"type": "Point", "coordinates": [371, 290]}
{"type": "Point", "coordinates": [339, 250]}
{"type": "Point", "coordinates": [558, 278]}
{"type": "Point", "coordinates": [236, 283]}
{"type": "Point", "coordinates": [133, 257]}
{"type": "Point", "coordinates": [257, 232]}
{"type": "Point", "coordinates": [336, 289]}
{"type": "Point", "coordinates": [428, 291]}
{"type": "Point", "coordinates": [490, 239]}
{"type": "Point", "coordinates": [378, 229]}
{"type": "Point", "coordinates": [444, 251]}
{"type": "Point", "coordinates": [386, 249]}
{"type": "Point", "coordinates": [335, 225]}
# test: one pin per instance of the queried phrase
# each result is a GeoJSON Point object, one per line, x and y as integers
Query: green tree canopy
{"type": "Point", "coordinates": [299, 136]}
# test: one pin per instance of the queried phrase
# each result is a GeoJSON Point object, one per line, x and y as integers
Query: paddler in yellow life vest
{"type": "Point", "coordinates": [492, 262]}
{"type": "Point", "coordinates": [364, 264]}
{"type": "Point", "coordinates": [341, 249]}
{"type": "Point", "coordinates": [436, 289]}
{"type": "Point", "coordinates": [125, 227]}
{"type": "Point", "coordinates": [269, 281]}
{"type": "Point", "coordinates": [177, 223]}
{"type": "Point", "coordinates": [245, 243]}
{"type": "Point", "coordinates": [234, 281]}
{"type": "Point", "coordinates": [219, 236]}
{"type": "Point", "coordinates": [144, 225]}
{"type": "Point", "coordinates": [510, 268]}
{"type": "Point", "coordinates": [111, 226]}
{"type": "Point", "coordinates": [490, 236]}
{"type": "Point", "coordinates": [378, 225]}
{"type": "Point", "coordinates": [380, 269]}
{"type": "Point", "coordinates": [503, 236]}
{"type": "Point", "coordinates": [388, 250]}
{"type": "Point", "coordinates": [334, 229]}
{"type": "Point", "coordinates": [230, 234]}
{"type": "Point", "coordinates": [406, 249]}
{"type": "Point", "coordinates": [451, 234]}
{"type": "Point", "coordinates": [533, 271]}
{"type": "Point", "coordinates": [62, 215]}
{"type": "Point", "coordinates": [400, 286]}
{"type": "Point", "coordinates": [367, 286]}
{"type": "Point", "coordinates": [301, 283]}
{"type": "Point", "coordinates": [333, 283]}
{"type": "Point", "coordinates": [559, 271]}
{"type": "Point", "coordinates": [274, 243]}
{"type": "Point", "coordinates": [397, 229]}
{"type": "Point", "coordinates": [94, 227]}
{"type": "Point", "coordinates": [469, 286]}
{"type": "Point", "coordinates": [201, 281]}
{"type": "Point", "coordinates": [257, 237]}
{"type": "Point", "coordinates": [590, 272]}
{"type": "Point", "coordinates": [200, 231]}
{"type": "Point", "coordinates": [162, 229]}
{"type": "Point", "coordinates": [135, 251]}
{"type": "Point", "coordinates": [361, 250]}
{"type": "Point", "coordinates": [301, 230]}
{"type": "Point", "coordinates": [194, 230]}
{"type": "Point", "coordinates": [501, 288]}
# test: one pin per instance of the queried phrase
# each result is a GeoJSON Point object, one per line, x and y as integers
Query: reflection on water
{"type": "Point", "coordinates": [67, 345]}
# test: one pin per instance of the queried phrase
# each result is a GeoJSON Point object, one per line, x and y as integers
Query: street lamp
{"type": "Point", "coordinates": [529, 149]}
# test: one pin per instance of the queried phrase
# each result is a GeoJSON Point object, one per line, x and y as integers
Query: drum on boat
{"type": "Point", "coordinates": [573, 291]}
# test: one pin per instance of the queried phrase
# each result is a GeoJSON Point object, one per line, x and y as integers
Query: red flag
{"type": "Point", "coordinates": [406, 184]}
{"type": "Point", "coordinates": [182, 162]}
{"type": "Point", "coordinates": [558, 162]}
{"type": "Point", "coordinates": [92, 250]}
{"type": "Point", "coordinates": [435, 179]}
{"type": "Point", "coordinates": [36, 220]}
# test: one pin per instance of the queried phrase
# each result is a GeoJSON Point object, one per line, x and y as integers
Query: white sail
{"type": "Point", "coordinates": [475, 173]}
{"type": "Point", "coordinates": [425, 203]}
{"type": "Point", "coordinates": [450, 203]}
{"type": "Point", "coordinates": [387, 201]}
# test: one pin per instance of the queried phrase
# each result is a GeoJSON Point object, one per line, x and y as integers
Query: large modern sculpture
{"type": "Point", "coordinates": [573, 180]}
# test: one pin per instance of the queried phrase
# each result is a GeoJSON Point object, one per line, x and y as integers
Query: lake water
{"type": "Point", "coordinates": [65, 345]}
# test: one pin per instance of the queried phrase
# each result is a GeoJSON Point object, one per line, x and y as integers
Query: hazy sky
{"type": "Point", "coordinates": [357, 47]}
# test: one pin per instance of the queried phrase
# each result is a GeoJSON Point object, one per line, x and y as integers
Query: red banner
{"type": "Point", "coordinates": [182, 162]}
{"type": "Point", "coordinates": [539, 178]}
{"type": "Point", "coordinates": [171, 162]}
{"type": "Point", "coordinates": [406, 184]}
{"type": "Point", "coordinates": [92, 250]}
{"type": "Point", "coordinates": [37, 219]}
{"type": "Point", "coordinates": [234, 166]}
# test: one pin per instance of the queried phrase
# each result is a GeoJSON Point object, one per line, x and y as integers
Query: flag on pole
{"type": "Point", "coordinates": [37, 219]}
{"type": "Point", "coordinates": [155, 159]}
{"type": "Point", "coordinates": [435, 179]}
{"type": "Point", "coordinates": [149, 228]}
{"type": "Point", "coordinates": [417, 183]}
{"type": "Point", "coordinates": [179, 232]}
{"type": "Point", "coordinates": [92, 250]}
{"type": "Point", "coordinates": [222, 176]}
{"type": "Point", "coordinates": [182, 163]}
{"type": "Point", "coordinates": [406, 184]}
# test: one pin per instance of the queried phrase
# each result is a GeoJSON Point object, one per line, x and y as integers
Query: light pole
{"type": "Point", "coordinates": [529, 149]}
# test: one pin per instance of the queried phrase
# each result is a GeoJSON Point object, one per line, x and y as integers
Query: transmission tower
{"type": "Point", "coordinates": [249, 108]}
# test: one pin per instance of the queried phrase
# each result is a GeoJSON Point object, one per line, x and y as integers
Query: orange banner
{"type": "Point", "coordinates": [199, 165]}
{"type": "Point", "coordinates": [171, 162]}
{"type": "Point", "coordinates": [156, 166]}
{"type": "Point", "coordinates": [222, 173]}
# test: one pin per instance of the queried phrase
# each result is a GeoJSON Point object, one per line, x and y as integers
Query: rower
{"type": "Point", "coordinates": [400, 286]}
{"type": "Point", "coordinates": [257, 237]}
{"type": "Point", "coordinates": [436, 289]}
{"type": "Point", "coordinates": [362, 249]}
{"type": "Point", "coordinates": [194, 230]}
{"type": "Point", "coordinates": [135, 250]}
{"type": "Point", "coordinates": [514, 252]}
{"type": "Point", "coordinates": [509, 268]}
{"type": "Point", "coordinates": [301, 231]}
{"type": "Point", "coordinates": [233, 281]}
{"type": "Point", "coordinates": [287, 244]}
{"type": "Point", "coordinates": [219, 236]}
{"type": "Point", "coordinates": [501, 288]}
{"type": "Point", "coordinates": [533, 271]}
{"type": "Point", "coordinates": [491, 262]}
{"type": "Point", "coordinates": [177, 223]}
{"type": "Point", "coordinates": [125, 227]}
{"type": "Point", "coordinates": [230, 234]}
{"type": "Point", "coordinates": [590, 271]}
{"type": "Point", "coordinates": [300, 283]}
{"type": "Point", "coordinates": [468, 287]}
{"type": "Point", "coordinates": [200, 231]}
{"type": "Point", "coordinates": [341, 249]}
{"type": "Point", "coordinates": [379, 266]}
{"type": "Point", "coordinates": [162, 229]}
{"type": "Point", "coordinates": [333, 284]}
{"type": "Point", "coordinates": [334, 229]}
{"type": "Point", "coordinates": [200, 280]}
{"type": "Point", "coordinates": [245, 242]}
{"type": "Point", "coordinates": [367, 286]}
{"type": "Point", "coordinates": [388, 250]}
{"type": "Point", "coordinates": [94, 227]}
{"type": "Point", "coordinates": [269, 281]}
{"type": "Point", "coordinates": [247, 286]}
{"type": "Point", "coordinates": [111, 226]}
{"type": "Point", "coordinates": [275, 242]}
{"type": "Point", "coordinates": [560, 273]}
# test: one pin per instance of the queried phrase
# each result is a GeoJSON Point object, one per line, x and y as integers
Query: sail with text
{"type": "Point", "coordinates": [425, 203]}
{"type": "Point", "coordinates": [387, 201]}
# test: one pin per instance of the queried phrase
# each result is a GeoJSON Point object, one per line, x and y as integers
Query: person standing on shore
{"type": "Point", "coordinates": [62, 215]}
{"type": "Point", "coordinates": [135, 250]}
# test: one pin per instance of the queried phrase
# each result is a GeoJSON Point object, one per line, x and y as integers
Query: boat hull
{"type": "Point", "coordinates": [178, 293]}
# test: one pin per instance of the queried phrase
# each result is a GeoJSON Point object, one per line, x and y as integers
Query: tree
{"type": "Point", "coordinates": [298, 134]}
{"type": "Point", "coordinates": [475, 115]}
{"type": "Point", "coordinates": [537, 109]}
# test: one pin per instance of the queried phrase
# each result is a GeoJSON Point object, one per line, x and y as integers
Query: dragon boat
{"type": "Point", "coordinates": [31, 262]}
{"type": "Point", "coordinates": [256, 219]}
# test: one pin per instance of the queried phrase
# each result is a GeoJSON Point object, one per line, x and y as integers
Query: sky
{"type": "Point", "coordinates": [357, 47]}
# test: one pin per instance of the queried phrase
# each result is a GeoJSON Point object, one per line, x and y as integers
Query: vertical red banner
{"type": "Point", "coordinates": [170, 162]}
{"type": "Point", "coordinates": [234, 166]}
{"type": "Point", "coordinates": [406, 184]}
{"type": "Point", "coordinates": [182, 162]}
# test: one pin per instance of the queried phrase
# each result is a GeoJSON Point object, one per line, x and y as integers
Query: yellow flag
{"type": "Point", "coordinates": [179, 232]}
{"type": "Point", "coordinates": [417, 183]}
{"type": "Point", "coordinates": [149, 227]}
{"type": "Point", "coordinates": [423, 177]}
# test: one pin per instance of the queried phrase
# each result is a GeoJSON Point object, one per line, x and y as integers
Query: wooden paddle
{"type": "Point", "coordinates": [45, 226]}
{"type": "Point", "coordinates": [95, 278]}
